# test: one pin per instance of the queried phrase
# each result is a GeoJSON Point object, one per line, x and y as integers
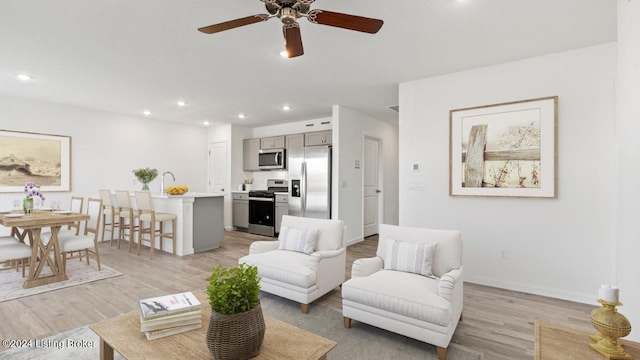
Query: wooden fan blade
{"type": "Point", "coordinates": [345, 21]}
{"type": "Point", "coordinates": [293, 39]}
{"type": "Point", "coordinates": [227, 25]}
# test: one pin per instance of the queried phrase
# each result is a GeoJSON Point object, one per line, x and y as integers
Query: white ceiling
{"type": "Point", "coordinates": [125, 56]}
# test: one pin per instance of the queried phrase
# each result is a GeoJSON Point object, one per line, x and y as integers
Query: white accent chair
{"type": "Point", "coordinates": [299, 276]}
{"type": "Point", "coordinates": [420, 307]}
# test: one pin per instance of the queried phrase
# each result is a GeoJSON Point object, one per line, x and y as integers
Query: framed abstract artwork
{"type": "Point", "coordinates": [44, 159]}
{"type": "Point", "coordinates": [506, 150]}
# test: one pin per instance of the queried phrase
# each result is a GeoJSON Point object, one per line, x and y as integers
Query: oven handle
{"type": "Point", "coordinates": [261, 199]}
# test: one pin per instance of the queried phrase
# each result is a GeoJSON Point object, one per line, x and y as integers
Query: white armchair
{"type": "Point", "coordinates": [299, 276]}
{"type": "Point", "coordinates": [426, 308]}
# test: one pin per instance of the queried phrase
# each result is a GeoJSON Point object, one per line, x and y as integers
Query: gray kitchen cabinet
{"type": "Point", "coordinates": [318, 138]}
{"type": "Point", "coordinates": [251, 151]}
{"type": "Point", "coordinates": [295, 141]}
{"type": "Point", "coordinates": [240, 210]}
{"type": "Point", "coordinates": [273, 142]}
{"type": "Point", "coordinates": [282, 208]}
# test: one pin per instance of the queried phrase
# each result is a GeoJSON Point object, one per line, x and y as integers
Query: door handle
{"type": "Point", "coordinates": [378, 191]}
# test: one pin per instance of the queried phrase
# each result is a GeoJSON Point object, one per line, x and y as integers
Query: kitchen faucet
{"type": "Point", "coordinates": [162, 189]}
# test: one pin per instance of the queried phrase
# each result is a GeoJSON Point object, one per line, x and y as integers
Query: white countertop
{"type": "Point", "coordinates": [189, 195]}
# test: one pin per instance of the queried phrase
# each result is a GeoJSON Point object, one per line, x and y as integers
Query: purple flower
{"type": "Point", "coordinates": [32, 190]}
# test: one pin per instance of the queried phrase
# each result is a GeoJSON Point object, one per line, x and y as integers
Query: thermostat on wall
{"type": "Point", "coordinates": [415, 167]}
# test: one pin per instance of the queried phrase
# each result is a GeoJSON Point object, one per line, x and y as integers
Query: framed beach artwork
{"type": "Point", "coordinates": [44, 159]}
{"type": "Point", "coordinates": [506, 150]}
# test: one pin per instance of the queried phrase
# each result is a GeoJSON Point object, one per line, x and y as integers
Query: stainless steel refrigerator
{"type": "Point", "coordinates": [310, 182]}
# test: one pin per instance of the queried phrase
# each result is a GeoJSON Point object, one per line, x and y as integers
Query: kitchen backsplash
{"type": "Point", "coordinates": [260, 178]}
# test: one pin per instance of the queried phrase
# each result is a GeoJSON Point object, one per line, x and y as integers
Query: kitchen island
{"type": "Point", "coordinates": [200, 222]}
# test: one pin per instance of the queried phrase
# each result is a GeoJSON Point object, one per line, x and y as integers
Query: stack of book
{"type": "Point", "coordinates": [168, 315]}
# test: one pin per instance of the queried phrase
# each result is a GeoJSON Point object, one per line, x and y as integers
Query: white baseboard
{"type": "Point", "coordinates": [543, 291]}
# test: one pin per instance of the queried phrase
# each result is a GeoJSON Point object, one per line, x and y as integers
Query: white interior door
{"type": "Point", "coordinates": [371, 189]}
{"type": "Point", "coordinates": [218, 167]}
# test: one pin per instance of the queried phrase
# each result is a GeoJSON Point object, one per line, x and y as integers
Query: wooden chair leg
{"type": "Point", "coordinates": [173, 235]}
{"type": "Point", "coordinates": [161, 235]}
{"type": "Point", "coordinates": [87, 254]}
{"type": "Point", "coordinates": [98, 257]}
{"type": "Point", "coordinates": [347, 322]}
{"type": "Point", "coordinates": [304, 308]}
{"type": "Point", "coordinates": [141, 232]}
{"type": "Point", "coordinates": [442, 353]}
{"type": "Point", "coordinates": [152, 239]}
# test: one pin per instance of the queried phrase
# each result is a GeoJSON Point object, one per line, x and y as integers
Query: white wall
{"type": "Point", "coordinates": [350, 129]}
{"type": "Point", "coordinates": [106, 147]}
{"type": "Point", "coordinates": [556, 247]}
{"type": "Point", "coordinates": [628, 197]}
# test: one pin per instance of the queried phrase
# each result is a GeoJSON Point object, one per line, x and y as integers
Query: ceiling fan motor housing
{"type": "Point", "coordinates": [288, 15]}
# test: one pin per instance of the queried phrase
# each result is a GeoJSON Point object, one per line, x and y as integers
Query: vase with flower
{"type": "Point", "coordinates": [31, 190]}
{"type": "Point", "coordinates": [145, 176]}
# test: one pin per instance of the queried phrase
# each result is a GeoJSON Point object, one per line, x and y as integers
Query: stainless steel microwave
{"type": "Point", "coordinates": [272, 159]}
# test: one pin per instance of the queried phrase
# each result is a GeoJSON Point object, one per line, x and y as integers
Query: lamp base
{"type": "Point", "coordinates": [609, 353]}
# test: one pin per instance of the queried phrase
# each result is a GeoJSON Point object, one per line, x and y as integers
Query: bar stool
{"type": "Point", "coordinates": [149, 215]}
{"type": "Point", "coordinates": [109, 211]}
{"type": "Point", "coordinates": [126, 212]}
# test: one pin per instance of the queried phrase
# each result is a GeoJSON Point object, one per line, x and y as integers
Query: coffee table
{"type": "Point", "coordinates": [281, 340]}
{"type": "Point", "coordinates": [557, 342]}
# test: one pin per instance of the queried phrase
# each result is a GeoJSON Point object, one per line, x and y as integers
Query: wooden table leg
{"type": "Point", "coordinates": [106, 351]}
{"type": "Point", "coordinates": [59, 274]}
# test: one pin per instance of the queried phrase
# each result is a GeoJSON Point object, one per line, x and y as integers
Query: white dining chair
{"type": "Point", "coordinates": [15, 255]}
{"type": "Point", "coordinates": [111, 212]}
{"type": "Point", "coordinates": [88, 241]}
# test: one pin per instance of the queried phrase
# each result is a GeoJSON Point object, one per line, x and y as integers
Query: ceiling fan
{"type": "Point", "coordinates": [289, 11]}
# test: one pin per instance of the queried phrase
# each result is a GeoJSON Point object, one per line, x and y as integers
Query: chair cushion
{"type": "Point", "coordinates": [329, 236]}
{"type": "Point", "coordinates": [410, 257]}
{"type": "Point", "coordinates": [126, 213]}
{"type": "Point", "coordinates": [76, 243]}
{"type": "Point", "coordinates": [8, 240]}
{"type": "Point", "coordinates": [63, 233]}
{"type": "Point", "coordinates": [285, 266]}
{"type": "Point", "coordinates": [300, 240]}
{"type": "Point", "coordinates": [159, 217]}
{"type": "Point", "coordinates": [401, 293]}
{"type": "Point", "coordinates": [14, 251]}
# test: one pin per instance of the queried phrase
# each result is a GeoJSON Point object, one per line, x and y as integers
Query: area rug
{"type": "Point", "coordinates": [11, 282]}
{"type": "Point", "coordinates": [361, 341]}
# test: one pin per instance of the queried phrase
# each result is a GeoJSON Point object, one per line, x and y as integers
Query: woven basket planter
{"type": "Point", "coordinates": [236, 337]}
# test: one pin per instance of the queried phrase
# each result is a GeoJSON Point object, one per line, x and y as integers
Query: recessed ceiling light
{"type": "Point", "coordinates": [24, 77]}
{"type": "Point", "coordinates": [181, 103]}
{"type": "Point", "coordinates": [284, 54]}
{"type": "Point", "coordinates": [146, 113]}
{"type": "Point", "coordinates": [205, 123]}
{"type": "Point", "coordinates": [286, 108]}
{"type": "Point", "coordinates": [242, 116]}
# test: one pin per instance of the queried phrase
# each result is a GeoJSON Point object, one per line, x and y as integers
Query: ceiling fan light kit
{"type": "Point", "coordinates": [289, 11]}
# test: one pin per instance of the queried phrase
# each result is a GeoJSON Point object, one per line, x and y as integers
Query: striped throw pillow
{"type": "Point", "coordinates": [410, 257]}
{"type": "Point", "coordinates": [300, 240]}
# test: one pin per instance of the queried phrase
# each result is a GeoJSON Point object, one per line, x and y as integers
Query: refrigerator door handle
{"type": "Point", "coordinates": [303, 187]}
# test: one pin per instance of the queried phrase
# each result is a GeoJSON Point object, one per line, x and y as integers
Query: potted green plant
{"type": "Point", "coordinates": [236, 328]}
{"type": "Point", "coordinates": [145, 176]}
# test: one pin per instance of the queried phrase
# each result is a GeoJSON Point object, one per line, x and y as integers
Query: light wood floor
{"type": "Point", "coordinates": [497, 323]}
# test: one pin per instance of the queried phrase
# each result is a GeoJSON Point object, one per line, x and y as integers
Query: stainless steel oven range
{"type": "Point", "coordinates": [262, 207]}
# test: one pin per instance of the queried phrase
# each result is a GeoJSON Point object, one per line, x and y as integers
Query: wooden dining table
{"type": "Point", "coordinates": [31, 225]}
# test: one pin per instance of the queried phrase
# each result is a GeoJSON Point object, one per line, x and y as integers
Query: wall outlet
{"type": "Point", "coordinates": [504, 254]}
